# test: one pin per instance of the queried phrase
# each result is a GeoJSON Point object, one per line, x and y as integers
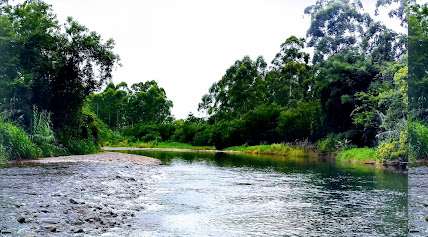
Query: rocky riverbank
{"type": "Point", "coordinates": [88, 195]}
{"type": "Point", "coordinates": [418, 201]}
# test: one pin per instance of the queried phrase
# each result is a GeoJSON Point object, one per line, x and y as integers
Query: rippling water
{"type": "Point", "coordinates": [202, 194]}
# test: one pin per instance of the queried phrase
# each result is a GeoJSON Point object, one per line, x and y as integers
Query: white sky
{"type": "Point", "coordinates": [186, 45]}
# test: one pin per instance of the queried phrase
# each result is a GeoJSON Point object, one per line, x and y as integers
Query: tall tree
{"type": "Point", "coordinates": [52, 66]}
{"type": "Point", "coordinates": [288, 81]}
{"type": "Point", "coordinates": [239, 90]}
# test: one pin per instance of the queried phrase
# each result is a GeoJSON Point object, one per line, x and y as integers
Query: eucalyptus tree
{"type": "Point", "coordinates": [342, 25]}
{"type": "Point", "coordinates": [148, 103]}
{"type": "Point", "coordinates": [288, 80]}
{"type": "Point", "coordinates": [239, 90]}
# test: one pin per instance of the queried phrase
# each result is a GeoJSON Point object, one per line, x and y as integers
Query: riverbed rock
{"type": "Point", "coordinates": [72, 201]}
{"type": "Point", "coordinates": [51, 228]}
{"type": "Point", "coordinates": [21, 219]}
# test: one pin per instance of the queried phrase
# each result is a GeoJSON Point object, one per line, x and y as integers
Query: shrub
{"type": "Point", "coordinates": [328, 144]}
{"type": "Point", "coordinates": [15, 142]}
{"type": "Point", "coordinates": [228, 133]}
{"type": "Point", "coordinates": [203, 137]}
{"type": "Point", "coordinates": [82, 146]}
{"type": "Point", "coordinates": [418, 136]}
{"type": "Point", "coordinates": [300, 122]}
{"type": "Point", "coordinates": [334, 142]}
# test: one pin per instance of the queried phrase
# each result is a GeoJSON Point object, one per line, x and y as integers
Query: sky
{"type": "Point", "coordinates": [187, 45]}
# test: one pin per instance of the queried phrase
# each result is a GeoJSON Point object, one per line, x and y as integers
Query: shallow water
{"type": "Point", "coordinates": [235, 195]}
{"type": "Point", "coordinates": [203, 194]}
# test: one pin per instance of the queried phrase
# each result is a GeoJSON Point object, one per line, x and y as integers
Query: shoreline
{"type": "Point", "coordinates": [389, 165]}
{"type": "Point", "coordinates": [103, 157]}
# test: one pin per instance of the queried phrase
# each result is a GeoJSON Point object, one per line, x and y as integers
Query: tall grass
{"type": "Point", "coordinates": [42, 134]}
{"type": "Point", "coordinates": [272, 149]}
{"type": "Point", "coordinates": [15, 142]}
{"type": "Point", "coordinates": [357, 154]}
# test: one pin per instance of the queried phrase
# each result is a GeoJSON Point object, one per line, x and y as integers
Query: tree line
{"type": "Point", "coordinates": [351, 91]}
{"type": "Point", "coordinates": [351, 82]}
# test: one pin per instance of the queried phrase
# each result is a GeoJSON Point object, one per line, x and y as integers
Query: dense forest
{"type": "Point", "coordinates": [342, 88]}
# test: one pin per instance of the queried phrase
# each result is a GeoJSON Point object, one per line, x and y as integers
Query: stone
{"type": "Point", "coordinates": [21, 219]}
{"type": "Point", "coordinates": [52, 228]}
{"type": "Point", "coordinates": [72, 201]}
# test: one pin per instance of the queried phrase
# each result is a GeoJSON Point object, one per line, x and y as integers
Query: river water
{"type": "Point", "coordinates": [204, 194]}
{"type": "Point", "coordinates": [239, 195]}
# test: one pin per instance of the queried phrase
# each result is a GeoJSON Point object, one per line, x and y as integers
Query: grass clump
{"type": "Point", "coordinates": [357, 154]}
{"type": "Point", "coordinates": [15, 143]}
{"type": "Point", "coordinates": [272, 149]}
{"type": "Point", "coordinates": [42, 134]}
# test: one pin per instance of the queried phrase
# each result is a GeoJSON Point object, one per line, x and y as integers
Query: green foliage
{"type": "Point", "coordinates": [357, 154]}
{"type": "Point", "coordinates": [418, 136]}
{"type": "Point", "coordinates": [82, 147]}
{"type": "Point", "coordinates": [3, 155]}
{"type": "Point", "coordinates": [239, 89]}
{"type": "Point", "coordinates": [300, 122]}
{"type": "Point", "coordinates": [337, 26]}
{"type": "Point", "coordinates": [334, 142]}
{"type": "Point", "coordinates": [272, 149]}
{"type": "Point", "coordinates": [42, 134]}
{"type": "Point", "coordinates": [388, 151]}
{"type": "Point", "coordinates": [47, 64]}
{"type": "Point", "coordinates": [15, 142]}
{"type": "Point", "coordinates": [120, 107]}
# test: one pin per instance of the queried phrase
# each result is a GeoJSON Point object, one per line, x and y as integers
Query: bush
{"type": "Point", "coordinates": [418, 136]}
{"type": "Point", "coordinates": [259, 125]}
{"type": "Point", "coordinates": [15, 142]}
{"type": "Point", "coordinates": [328, 144]}
{"type": "Point", "coordinates": [300, 122]}
{"type": "Point", "coordinates": [203, 137]}
{"type": "Point", "coordinates": [82, 147]}
{"type": "Point", "coordinates": [227, 134]}
{"type": "Point", "coordinates": [150, 132]}
{"type": "Point", "coordinates": [84, 135]}
{"type": "Point", "coordinates": [334, 142]}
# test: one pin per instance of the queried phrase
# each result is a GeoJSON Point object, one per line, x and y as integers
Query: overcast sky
{"type": "Point", "coordinates": [186, 45]}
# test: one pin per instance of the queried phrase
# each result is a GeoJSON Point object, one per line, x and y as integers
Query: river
{"type": "Point", "coordinates": [205, 194]}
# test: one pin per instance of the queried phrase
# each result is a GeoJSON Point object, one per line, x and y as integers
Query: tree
{"type": "Point", "coordinates": [343, 25]}
{"type": "Point", "coordinates": [148, 103]}
{"type": "Point", "coordinates": [111, 105]}
{"type": "Point", "coordinates": [338, 80]}
{"type": "Point", "coordinates": [51, 66]}
{"type": "Point", "coordinates": [238, 91]}
{"type": "Point", "coordinates": [288, 81]}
